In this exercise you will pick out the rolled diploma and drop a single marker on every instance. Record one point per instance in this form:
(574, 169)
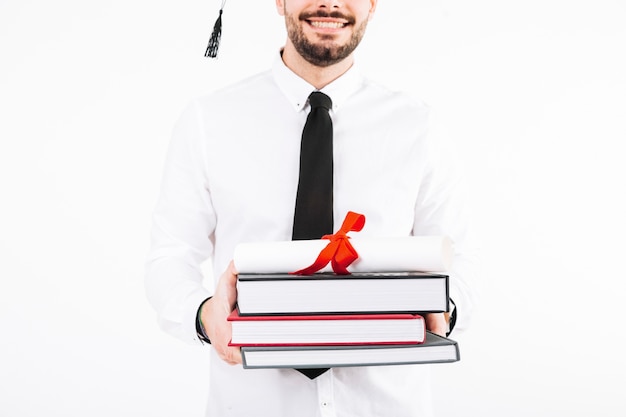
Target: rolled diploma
(392, 254)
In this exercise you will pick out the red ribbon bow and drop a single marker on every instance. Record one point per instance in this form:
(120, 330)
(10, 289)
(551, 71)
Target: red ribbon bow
(339, 252)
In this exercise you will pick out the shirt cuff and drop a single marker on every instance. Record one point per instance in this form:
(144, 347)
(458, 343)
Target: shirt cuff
(204, 338)
(192, 302)
(451, 317)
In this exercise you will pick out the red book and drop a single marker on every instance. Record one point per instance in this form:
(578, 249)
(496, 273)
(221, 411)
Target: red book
(327, 330)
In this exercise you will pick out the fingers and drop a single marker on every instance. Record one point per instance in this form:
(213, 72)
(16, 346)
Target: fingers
(230, 275)
(231, 268)
(226, 290)
(231, 356)
(436, 323)
(215, 314)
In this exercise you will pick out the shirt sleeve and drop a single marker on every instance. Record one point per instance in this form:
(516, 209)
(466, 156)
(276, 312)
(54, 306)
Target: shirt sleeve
(443, 209)
(182, 230)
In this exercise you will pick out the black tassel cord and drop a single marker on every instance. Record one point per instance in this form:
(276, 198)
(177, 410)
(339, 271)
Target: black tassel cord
(214, 41)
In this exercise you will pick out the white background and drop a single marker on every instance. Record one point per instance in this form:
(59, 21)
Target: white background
(531, 92)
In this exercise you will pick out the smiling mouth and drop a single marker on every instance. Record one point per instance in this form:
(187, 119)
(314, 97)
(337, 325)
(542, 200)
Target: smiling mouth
(326, 24)
(324, 20)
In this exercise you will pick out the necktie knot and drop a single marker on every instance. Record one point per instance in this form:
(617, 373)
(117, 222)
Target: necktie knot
(319, 99)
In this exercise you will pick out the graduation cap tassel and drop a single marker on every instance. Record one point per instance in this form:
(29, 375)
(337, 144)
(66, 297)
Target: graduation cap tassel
(214, 41)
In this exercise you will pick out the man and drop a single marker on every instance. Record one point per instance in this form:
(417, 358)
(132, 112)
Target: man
(231, 176)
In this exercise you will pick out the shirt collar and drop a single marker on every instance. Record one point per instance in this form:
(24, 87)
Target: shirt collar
(297, 90)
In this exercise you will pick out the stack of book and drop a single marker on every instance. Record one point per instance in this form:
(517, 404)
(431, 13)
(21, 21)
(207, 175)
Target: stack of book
(328, 320)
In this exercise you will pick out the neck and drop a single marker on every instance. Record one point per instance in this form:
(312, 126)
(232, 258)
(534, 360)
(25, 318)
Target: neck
(319, 77)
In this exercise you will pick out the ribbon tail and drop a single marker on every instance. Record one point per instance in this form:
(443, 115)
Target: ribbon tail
(339, 269)
(325, 256)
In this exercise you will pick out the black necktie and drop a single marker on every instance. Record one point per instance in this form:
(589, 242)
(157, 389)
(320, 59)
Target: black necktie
(313, 216)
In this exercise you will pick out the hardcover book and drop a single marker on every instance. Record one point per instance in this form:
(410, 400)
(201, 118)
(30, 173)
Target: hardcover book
(329, 293)
(346, 329)
(435, 349)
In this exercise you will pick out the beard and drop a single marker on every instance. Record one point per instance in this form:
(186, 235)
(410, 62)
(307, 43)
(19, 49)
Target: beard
(324, 53)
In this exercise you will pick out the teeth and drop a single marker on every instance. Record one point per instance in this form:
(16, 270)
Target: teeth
(327, 25)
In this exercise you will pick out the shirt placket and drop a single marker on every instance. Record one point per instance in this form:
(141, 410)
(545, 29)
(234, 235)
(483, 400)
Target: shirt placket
(325, 395)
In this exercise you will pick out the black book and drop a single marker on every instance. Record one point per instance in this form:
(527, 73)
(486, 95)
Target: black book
(435, 349)
(329, 293)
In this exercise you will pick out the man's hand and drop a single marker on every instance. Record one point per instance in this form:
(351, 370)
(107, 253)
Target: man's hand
(437, 323)
(214, 313)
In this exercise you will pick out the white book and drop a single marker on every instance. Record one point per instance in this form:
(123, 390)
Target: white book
(328, 293)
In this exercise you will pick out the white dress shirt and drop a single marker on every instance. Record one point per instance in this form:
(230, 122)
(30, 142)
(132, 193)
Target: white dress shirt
(231, 176)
